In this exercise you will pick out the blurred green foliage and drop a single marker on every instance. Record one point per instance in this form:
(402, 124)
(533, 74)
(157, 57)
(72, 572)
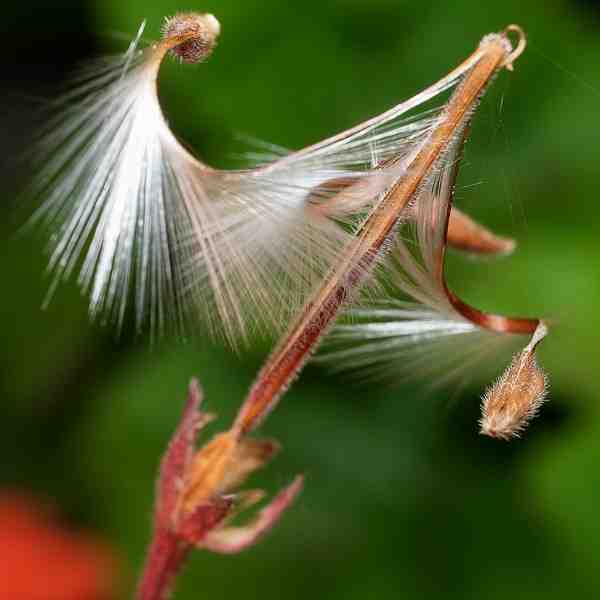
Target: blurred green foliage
(403, 498)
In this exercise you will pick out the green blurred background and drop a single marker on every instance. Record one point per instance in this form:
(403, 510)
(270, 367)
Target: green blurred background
(403, 498)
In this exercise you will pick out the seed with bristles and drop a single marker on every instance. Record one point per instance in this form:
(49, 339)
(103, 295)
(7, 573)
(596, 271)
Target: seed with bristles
(509, 404)
(198, 32)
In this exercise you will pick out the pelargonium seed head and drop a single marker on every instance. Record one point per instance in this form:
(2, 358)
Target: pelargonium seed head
(199, 33)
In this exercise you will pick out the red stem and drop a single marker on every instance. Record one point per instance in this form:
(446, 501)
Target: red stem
(165, 560)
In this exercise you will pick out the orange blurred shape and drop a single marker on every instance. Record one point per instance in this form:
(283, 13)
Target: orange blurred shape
(41, 560)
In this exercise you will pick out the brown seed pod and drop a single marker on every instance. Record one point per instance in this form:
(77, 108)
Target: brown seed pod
(516, 397)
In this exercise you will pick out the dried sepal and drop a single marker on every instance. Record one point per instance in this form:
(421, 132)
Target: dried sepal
(250, 455)
(194, 500)
(223, 464)
(197, 489)
(516, 397)
(179, 454)
(230, 540)
(208, 469)
(194, 526)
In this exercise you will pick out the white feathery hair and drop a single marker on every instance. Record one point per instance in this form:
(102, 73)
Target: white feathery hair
(141, 218)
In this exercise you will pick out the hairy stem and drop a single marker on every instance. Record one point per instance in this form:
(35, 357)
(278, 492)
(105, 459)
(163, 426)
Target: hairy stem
(304, 335)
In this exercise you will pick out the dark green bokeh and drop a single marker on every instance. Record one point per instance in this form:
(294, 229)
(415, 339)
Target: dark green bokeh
(403, 498)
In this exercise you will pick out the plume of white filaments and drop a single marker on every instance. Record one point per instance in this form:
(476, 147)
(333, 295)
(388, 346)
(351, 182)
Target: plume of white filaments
(143, 219)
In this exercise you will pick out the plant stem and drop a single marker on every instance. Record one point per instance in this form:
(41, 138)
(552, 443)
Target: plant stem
(165, 559)
(320, 311)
